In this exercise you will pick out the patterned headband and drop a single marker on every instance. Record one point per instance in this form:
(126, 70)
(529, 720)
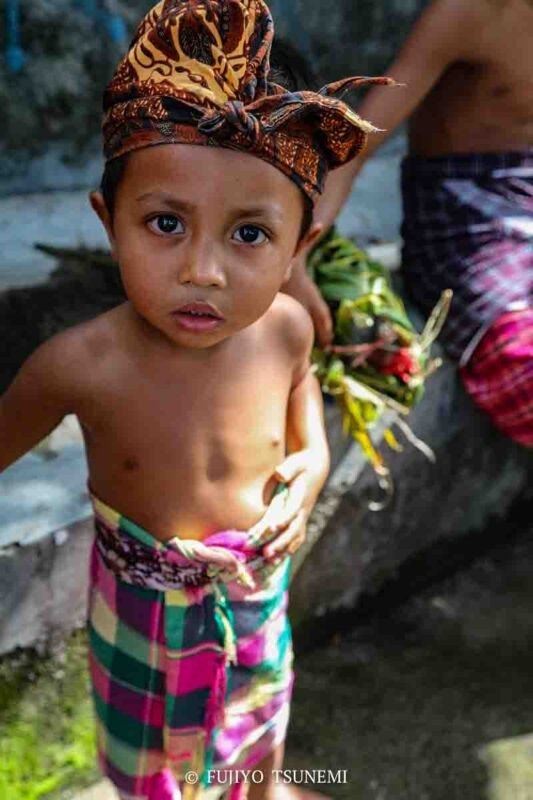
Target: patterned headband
(197, 73)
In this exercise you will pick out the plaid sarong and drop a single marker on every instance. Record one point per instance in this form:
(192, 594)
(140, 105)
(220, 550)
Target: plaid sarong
(468, 226)
(191, 668)
(499, 376)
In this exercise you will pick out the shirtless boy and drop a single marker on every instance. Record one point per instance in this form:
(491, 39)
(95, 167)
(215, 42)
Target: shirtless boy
(195, 398)
(467, 75)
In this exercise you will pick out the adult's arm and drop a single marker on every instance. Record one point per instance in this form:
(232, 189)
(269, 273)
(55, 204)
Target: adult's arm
(445, 33)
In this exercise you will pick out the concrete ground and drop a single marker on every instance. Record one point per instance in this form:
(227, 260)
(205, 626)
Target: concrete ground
(65, 219)
(432, 702)
(102, 791)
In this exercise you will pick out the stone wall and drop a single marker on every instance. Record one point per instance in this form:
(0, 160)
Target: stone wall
(52, 105)
(357, 37)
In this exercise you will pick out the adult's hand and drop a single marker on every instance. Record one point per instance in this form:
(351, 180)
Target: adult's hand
(302, 288)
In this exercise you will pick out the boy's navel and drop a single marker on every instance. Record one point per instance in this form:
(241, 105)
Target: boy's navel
(131, 464)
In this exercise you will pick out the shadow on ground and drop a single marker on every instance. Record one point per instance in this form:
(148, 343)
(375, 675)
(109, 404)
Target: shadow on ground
(408, 705)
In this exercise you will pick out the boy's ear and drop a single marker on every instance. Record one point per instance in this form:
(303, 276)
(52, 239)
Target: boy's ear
(311, 237)
(96, 200)
(304, 246)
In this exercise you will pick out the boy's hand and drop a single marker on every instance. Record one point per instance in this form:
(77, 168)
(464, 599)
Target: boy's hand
(226, 561)
(284, 524)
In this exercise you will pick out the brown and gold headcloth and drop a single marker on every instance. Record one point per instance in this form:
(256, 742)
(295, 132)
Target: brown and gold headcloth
(197, 73)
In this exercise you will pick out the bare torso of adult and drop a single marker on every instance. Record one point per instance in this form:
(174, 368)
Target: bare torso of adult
(183, 444)
(485, 104)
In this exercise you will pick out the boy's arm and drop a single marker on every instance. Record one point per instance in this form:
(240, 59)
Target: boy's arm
(306, 467)
(34, 404)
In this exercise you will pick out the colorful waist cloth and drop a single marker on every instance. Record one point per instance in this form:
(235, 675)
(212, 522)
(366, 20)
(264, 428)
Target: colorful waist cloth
(468, 226)
(191, 668)
(499, 376)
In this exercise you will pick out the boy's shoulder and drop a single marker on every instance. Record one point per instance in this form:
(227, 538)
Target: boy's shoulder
(74, 352)
(97, 332)
(291, 324)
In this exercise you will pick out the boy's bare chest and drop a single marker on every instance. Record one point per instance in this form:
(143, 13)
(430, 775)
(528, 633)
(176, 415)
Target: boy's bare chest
(188, 450)
(198, 413)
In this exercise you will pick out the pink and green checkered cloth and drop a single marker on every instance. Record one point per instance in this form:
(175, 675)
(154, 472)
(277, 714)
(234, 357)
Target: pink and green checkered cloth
(191, 668)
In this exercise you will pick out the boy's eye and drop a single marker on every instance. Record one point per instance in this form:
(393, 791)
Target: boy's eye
(250, 234)
(165, 225)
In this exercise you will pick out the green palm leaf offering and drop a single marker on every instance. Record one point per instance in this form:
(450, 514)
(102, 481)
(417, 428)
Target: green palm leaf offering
(378, 362)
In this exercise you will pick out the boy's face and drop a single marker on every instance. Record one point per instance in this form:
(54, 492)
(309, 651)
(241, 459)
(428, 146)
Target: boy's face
(204, 238)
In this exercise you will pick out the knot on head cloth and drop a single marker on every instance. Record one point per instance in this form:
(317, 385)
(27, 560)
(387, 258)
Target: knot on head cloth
(197, 73)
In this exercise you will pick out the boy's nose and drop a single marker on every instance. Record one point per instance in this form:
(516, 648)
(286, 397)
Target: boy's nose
(201, 267)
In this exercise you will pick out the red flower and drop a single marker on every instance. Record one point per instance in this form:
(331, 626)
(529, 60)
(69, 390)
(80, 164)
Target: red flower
(401, 364)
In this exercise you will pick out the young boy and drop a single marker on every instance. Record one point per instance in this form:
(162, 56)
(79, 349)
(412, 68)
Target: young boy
(467, 185)
(190, 397)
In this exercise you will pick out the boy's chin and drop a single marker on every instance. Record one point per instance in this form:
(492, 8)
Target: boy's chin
(198, 340)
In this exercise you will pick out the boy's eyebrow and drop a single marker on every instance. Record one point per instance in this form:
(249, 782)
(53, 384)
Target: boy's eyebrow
(272, 211)
(164, 197)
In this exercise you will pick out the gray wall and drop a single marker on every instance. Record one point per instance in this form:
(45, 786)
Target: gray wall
(346, 37)
(51, 108)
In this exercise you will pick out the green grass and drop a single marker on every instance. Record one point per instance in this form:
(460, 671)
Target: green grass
(47, 747)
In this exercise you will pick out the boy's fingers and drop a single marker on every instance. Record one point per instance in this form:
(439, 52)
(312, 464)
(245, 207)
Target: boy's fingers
(288, 541)
(280, 514)
(227, 562)
(292, 466)
(218, 556)
(268, 521)
(294, 501)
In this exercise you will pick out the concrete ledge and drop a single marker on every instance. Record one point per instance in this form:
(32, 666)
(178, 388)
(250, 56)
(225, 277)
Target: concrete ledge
(43, 588)
(38, 496)
(478, 476)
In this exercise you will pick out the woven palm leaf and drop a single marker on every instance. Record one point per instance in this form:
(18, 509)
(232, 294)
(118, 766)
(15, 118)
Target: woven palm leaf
(378, 361)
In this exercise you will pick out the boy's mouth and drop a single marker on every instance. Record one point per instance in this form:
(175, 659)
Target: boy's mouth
(197, 317)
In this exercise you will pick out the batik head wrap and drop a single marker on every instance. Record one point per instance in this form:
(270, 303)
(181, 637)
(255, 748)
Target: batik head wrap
(197, 73)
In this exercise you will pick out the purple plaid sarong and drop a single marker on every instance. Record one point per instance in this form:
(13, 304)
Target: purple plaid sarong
(468, 226)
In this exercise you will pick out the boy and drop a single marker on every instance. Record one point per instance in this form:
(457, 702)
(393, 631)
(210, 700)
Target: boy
(191, 394)
(467, 193)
